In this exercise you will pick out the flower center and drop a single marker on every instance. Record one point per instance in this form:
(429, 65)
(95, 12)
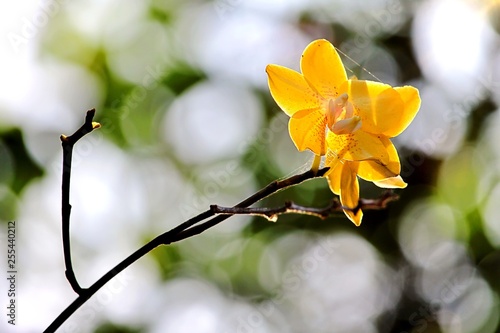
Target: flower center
(340, 116)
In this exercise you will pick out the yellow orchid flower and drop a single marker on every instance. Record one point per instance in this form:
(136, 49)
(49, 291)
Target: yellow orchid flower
(349, 120)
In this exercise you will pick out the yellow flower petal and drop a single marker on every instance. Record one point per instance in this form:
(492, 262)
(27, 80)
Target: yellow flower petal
(380, 106)
(355, 218)
(333, 175)
(322, 68)
(393, 182)
(378, 170)
(373, 170)
(307, 130)
(411, 98)
(349, 194)
(290, 90)
(360, 146)
(342, 181)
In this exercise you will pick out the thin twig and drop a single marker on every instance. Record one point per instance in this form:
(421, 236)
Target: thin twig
(271, 214)
(68, 143)
(272, 188)
(180, 232)
(377, 203)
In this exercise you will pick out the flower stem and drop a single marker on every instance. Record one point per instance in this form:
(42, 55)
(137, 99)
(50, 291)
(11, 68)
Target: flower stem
(316, 163)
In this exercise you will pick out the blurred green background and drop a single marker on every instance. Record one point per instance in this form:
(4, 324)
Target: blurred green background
(181, 92)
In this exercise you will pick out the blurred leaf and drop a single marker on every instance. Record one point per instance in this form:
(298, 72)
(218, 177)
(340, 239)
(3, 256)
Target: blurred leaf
(479, 243)
(167, 258)
(6, 164)
(142, 118)
(8, 204)
(160, 15)
(181, 78)
(25, 168)
(114, 107)
(115, 328)
(458, 179)
(244, 280)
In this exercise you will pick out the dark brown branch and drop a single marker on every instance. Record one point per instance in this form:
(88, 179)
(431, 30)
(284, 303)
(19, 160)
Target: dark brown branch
(271, 214)
(184, 230)
(89, 292)
(68, 143)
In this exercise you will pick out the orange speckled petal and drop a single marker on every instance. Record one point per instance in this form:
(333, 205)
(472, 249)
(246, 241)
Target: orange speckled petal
(359, 146)
(307, 130)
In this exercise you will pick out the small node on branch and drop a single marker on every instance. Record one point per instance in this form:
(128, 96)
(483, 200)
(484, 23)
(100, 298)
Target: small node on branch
(272, 218)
